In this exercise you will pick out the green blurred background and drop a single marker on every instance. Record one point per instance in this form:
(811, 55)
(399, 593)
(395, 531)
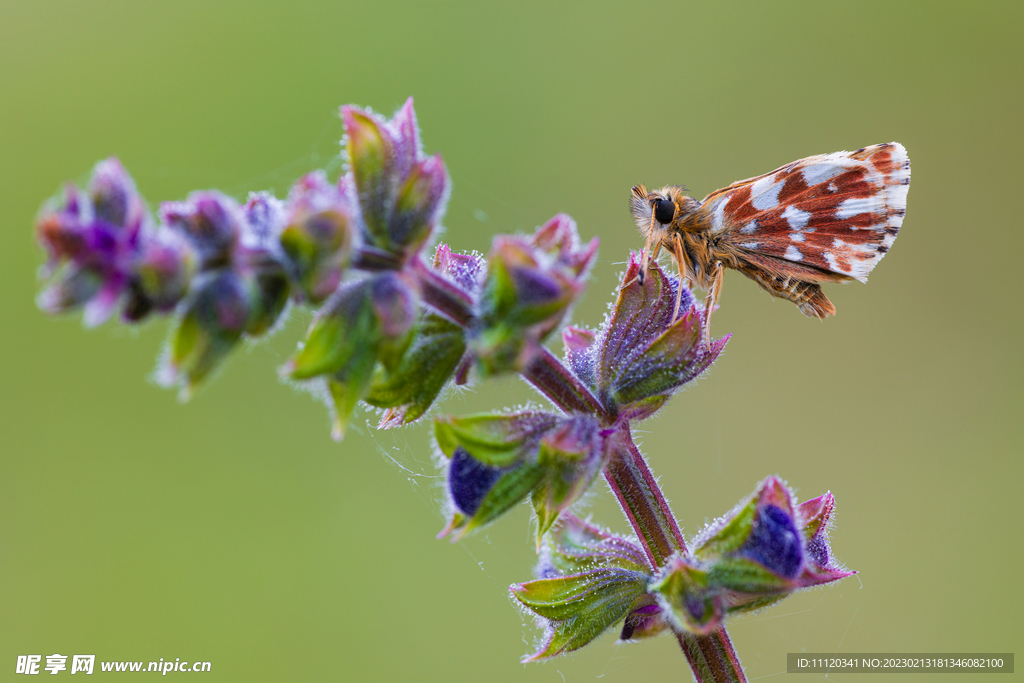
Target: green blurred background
(233, 530)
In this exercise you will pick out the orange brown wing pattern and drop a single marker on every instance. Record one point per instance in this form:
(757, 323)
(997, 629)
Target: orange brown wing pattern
(835, 215)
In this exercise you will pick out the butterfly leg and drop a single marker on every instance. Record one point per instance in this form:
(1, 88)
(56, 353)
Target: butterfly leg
(642, 275)
(682, 263)
(651, 240)
(714, 291)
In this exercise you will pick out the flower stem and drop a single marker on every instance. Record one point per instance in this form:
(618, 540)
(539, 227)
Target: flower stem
(641, 499)
(445, 296)
(554, 380)
(711, 657)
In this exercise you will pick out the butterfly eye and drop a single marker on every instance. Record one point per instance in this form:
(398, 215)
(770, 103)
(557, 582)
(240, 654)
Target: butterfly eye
(664, 209)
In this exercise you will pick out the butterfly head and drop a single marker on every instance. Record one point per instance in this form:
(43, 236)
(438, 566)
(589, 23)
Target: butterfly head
(656, 211)
(655, 214)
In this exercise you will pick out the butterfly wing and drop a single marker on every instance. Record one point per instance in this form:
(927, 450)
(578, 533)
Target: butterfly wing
(838, 213)
(825, 218)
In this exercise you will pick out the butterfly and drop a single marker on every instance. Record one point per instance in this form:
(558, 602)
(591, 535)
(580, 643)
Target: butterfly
(826, 218)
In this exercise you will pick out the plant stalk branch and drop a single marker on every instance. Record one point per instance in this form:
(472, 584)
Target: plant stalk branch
(554, 380)
(444, 295)
(712, 658)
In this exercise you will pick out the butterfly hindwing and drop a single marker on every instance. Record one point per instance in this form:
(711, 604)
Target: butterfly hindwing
(836, 214)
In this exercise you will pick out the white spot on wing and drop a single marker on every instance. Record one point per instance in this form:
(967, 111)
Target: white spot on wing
(793, 254)
(858, 205)
(796, 218)
(827, 167)
(749, 245)
(796, 236)
(764, 193)
(749, 228)
(859, 266)
(718, 217)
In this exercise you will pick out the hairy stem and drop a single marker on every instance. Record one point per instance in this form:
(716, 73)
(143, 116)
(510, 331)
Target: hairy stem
(444, 295)
(554, 380)
(711, 657)
(634, 485)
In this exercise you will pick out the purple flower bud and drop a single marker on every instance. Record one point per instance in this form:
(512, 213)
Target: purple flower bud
(814, 517)
(579, 352)
(92, 242)
(498, 460)
(240, 286)
(114, 197)
(560, 239)
(646, 350)
(419, 204)
(242, 239)
(163, 273)
(395, 300)
(644, 622)
(264, 221)
(465, 270)
(318, 235)
(406, 137)
(531, 284)
(469, 481)
(759, 553)
(209, 324)
(212, 222)
(774, 540)
(72, 288)
(401, 193)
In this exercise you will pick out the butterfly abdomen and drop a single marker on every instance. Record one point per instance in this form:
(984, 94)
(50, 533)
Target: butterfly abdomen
(807, 296)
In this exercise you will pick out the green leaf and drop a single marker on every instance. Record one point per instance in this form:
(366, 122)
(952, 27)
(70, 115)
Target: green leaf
(417, 203)
(732, 534)
(664, 362)
(206, 329)
(572, 456)
(741, 575)
(345, 323)
(574, 546)
(371, 156)
(428, 363)
(580, 607)
(348, 386)
(318, 248)
(271, 291)
(689, 597)
(497, 440)
(512, 487)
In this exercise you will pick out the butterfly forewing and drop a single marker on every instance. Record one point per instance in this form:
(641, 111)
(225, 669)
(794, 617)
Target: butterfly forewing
(835, 215)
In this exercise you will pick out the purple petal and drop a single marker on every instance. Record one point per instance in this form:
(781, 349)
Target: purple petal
(469, 481)
(774, 542)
